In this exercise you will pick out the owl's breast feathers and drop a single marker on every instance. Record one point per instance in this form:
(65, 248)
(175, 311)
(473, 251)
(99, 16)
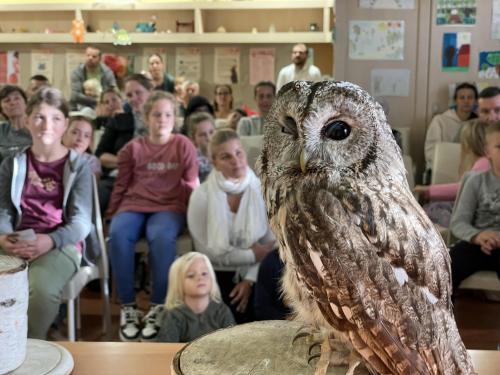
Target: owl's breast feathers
(376, 268)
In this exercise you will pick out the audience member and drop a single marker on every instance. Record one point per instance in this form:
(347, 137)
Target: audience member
(268, 296)
(228, 222)
(110, 104)
(92, 68)
(264, 95)
(156, 175)
(48, 189)
(36, 82)
(299, 69)
(475, 221)
(234, 117)
(161, 79)
(189, 90)
(223, 101)
(13, 134)
(442, 196)
(196, 104)
(92, 88)
(79, 137)
(446, 127)
(193, 305)
(121, 129)
(489, 104)
(201, 131)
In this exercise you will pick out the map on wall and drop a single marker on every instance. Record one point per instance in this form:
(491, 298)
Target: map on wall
(456, 12)
(387, 4)
(376, 40)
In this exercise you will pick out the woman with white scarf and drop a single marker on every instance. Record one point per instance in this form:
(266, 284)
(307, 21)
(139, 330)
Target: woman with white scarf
(228, 222)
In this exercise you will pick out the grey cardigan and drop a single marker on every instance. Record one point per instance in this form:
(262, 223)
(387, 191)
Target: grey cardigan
(79, 75)
(77, 201)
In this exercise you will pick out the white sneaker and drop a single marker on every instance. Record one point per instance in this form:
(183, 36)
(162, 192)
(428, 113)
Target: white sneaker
(152, 322)
(130, 320)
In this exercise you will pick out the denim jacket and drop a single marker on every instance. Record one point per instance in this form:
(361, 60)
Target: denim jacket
(77, 201)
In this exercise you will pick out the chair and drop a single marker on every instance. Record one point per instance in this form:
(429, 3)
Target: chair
(86, 274)
(446, 163)
(252, 145)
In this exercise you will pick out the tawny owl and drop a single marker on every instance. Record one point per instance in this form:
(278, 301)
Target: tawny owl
(361, 257)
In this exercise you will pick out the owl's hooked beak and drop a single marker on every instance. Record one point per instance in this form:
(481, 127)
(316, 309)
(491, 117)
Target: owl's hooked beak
(304, 158)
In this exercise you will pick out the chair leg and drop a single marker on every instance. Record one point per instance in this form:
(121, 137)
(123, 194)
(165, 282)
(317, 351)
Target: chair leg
(71, 320)
(106, 309)
(78, 315)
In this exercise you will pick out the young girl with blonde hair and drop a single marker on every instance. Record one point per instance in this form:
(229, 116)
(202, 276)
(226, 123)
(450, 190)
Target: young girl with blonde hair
(193, 305)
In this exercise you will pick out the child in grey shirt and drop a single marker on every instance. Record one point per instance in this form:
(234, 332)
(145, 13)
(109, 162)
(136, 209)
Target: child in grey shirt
(476, 219)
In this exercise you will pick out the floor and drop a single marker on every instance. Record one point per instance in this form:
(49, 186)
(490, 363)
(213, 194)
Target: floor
(477, 319)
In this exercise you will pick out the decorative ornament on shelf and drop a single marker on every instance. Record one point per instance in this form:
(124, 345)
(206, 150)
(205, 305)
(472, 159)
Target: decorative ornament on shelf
(221, 29)
(78, 27)
(121, 38)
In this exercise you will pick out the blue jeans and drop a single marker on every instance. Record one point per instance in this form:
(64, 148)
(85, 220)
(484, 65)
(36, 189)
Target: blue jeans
(161, 230)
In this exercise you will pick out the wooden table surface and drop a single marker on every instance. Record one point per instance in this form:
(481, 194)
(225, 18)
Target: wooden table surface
(96, 358)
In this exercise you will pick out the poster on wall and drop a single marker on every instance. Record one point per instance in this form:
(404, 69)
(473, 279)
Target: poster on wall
(188, 63)
(489, 65)
(456, 52)
(456, 12)
(42, 62)
(390, 82)
(261, 65)
(495, 19)
(387, 4)
(376, 40)
(10, 67)
(227, 65)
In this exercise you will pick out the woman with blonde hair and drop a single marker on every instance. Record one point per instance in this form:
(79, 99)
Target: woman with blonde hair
(193, 304)
(228, 222)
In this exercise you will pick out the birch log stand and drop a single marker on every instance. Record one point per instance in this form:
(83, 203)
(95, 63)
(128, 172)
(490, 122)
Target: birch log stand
(13, 312)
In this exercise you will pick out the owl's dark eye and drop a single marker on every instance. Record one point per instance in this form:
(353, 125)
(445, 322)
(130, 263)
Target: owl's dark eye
(289, 126)
(337, 130)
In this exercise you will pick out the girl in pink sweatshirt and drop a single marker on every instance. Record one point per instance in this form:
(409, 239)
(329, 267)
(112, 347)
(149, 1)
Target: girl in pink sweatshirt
(156, 174)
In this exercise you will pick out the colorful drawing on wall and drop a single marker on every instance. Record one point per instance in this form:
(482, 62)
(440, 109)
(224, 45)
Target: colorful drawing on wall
(456, 12)
(9, 67)
(456, 52)
(390, 82)
(387, 4)
(489, 65)
(376, 40)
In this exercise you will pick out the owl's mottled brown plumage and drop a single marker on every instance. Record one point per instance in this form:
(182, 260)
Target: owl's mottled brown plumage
(361, 257)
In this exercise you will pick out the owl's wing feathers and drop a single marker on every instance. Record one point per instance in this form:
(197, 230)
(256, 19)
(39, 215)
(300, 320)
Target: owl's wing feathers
(391, 319)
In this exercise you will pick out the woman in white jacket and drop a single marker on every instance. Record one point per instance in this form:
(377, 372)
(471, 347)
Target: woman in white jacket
(446, 126)
(228, 222)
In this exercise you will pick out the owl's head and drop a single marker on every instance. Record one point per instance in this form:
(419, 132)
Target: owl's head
(335, 129)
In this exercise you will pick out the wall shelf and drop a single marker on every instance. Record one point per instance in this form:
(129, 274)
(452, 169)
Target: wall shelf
(236, 16)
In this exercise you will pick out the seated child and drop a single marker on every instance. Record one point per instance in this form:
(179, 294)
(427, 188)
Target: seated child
(193, 305)
(79, 136)
(201, 130)
(476, 219)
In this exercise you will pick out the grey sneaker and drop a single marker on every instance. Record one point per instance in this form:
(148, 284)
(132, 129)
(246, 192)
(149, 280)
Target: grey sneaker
(152, 322)
(130, 320)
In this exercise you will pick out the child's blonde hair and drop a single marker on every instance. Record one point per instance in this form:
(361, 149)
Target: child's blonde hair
(177, 273)
(94, 85)
(156, 96)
